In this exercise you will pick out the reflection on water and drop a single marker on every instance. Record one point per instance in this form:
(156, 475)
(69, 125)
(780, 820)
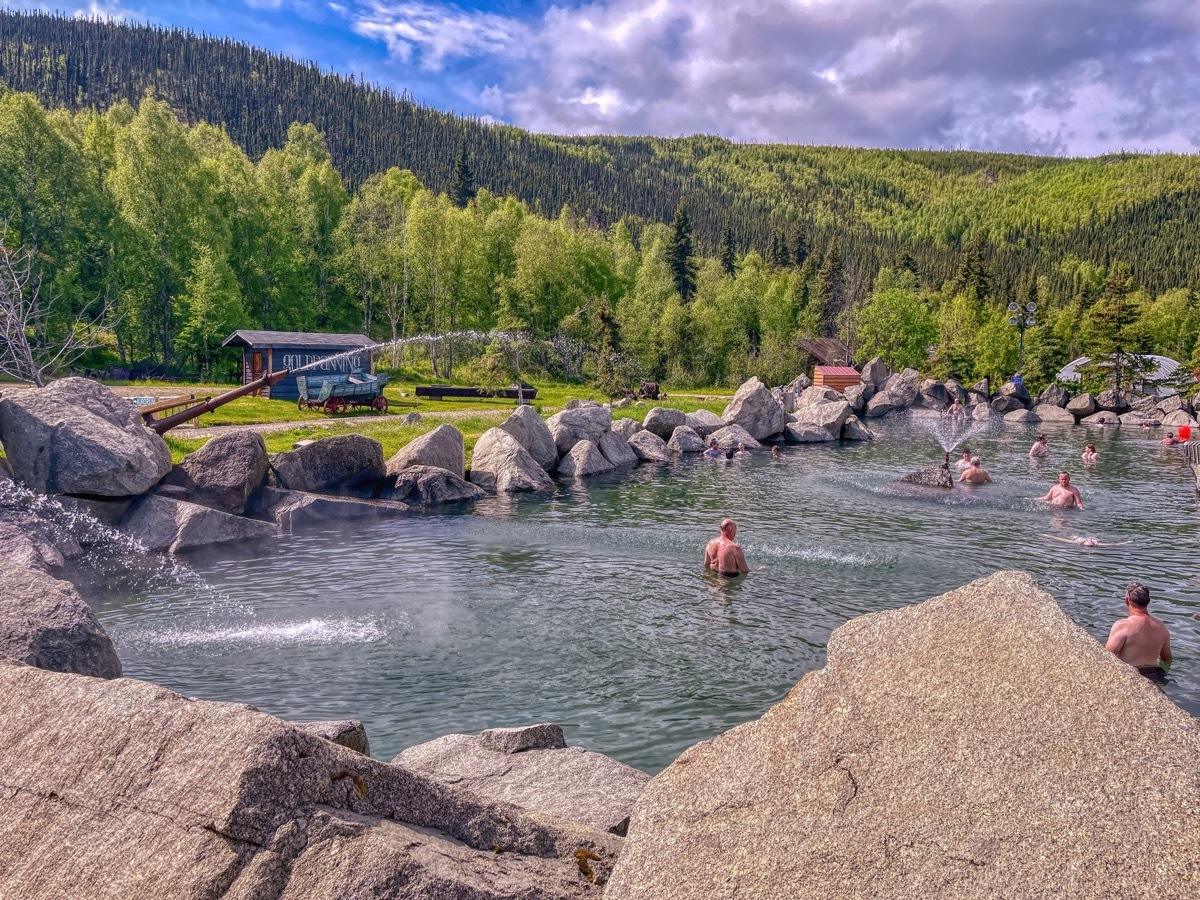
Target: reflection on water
(588, 607)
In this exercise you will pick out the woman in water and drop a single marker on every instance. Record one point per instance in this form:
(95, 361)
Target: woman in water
(1090, 455)
(965, 462)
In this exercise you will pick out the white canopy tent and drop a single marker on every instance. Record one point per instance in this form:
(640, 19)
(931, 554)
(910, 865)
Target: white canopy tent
(1165, 370)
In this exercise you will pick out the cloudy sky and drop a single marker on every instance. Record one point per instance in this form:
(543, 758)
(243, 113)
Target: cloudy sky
(1073, 77)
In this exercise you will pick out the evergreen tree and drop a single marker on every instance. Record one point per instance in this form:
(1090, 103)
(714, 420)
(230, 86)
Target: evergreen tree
(679, 254)
(972, 271)
(799, 247)
(1114, 328)
(728, 253)
(462, 183)
(831, 291)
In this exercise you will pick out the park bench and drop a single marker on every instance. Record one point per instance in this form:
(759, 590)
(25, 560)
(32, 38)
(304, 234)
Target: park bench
(454, 392)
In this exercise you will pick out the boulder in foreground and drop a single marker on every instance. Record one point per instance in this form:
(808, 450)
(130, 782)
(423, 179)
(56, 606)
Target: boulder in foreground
(501, 465)
(441, 448)
(143, 793)
(45, 623)
(937, 754)
(533, 768)
(75, 436)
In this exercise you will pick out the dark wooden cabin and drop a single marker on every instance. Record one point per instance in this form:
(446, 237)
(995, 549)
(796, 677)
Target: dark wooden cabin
(269, 351)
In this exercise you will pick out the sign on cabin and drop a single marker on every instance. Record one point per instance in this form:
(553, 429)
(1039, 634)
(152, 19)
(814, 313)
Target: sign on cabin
(271, 351)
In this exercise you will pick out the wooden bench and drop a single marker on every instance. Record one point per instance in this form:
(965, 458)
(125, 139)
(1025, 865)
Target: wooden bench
(454, 392)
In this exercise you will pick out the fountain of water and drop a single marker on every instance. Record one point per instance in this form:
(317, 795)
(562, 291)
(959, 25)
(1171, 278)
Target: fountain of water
(950, 431)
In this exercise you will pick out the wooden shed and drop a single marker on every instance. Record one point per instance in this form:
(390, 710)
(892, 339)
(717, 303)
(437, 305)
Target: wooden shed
(837, 377)
(269, 351)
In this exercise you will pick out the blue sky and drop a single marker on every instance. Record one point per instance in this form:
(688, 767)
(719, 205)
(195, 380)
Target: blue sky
(1071, 77)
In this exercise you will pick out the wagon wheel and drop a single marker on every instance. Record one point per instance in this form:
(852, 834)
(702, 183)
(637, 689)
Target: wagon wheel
(301, 404)
(379, 404)
(331, 406)
(342, 405)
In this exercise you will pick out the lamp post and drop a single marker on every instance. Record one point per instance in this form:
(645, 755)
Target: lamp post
(1021, 319)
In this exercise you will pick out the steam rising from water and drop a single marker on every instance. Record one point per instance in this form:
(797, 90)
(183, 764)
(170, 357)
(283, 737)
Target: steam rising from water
(310, 632)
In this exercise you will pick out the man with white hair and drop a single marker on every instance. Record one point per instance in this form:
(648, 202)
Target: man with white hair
(977, 474)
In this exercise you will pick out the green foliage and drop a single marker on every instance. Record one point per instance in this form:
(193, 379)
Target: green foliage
(680, 254)
(897, 327)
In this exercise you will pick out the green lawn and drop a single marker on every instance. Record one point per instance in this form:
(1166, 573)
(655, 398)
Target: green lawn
(471, 417)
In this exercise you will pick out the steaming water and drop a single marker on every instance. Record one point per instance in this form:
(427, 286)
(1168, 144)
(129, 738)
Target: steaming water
(588, 607)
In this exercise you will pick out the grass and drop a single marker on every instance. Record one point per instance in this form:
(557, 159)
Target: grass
(471, 417)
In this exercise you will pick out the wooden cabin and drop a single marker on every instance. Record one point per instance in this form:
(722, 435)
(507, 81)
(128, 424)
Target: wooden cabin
(269, 351)
(837, 377)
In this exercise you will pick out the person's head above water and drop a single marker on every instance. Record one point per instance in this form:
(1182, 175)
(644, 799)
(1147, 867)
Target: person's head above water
(1042, 439)
(728, 528)
(967, 454)
(1064, 478)
(976, 461)
(776, 452)
(1137, 595)
(741, 447)
(1091, 448)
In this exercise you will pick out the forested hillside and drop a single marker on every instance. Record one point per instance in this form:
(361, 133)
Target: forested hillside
(177, 187)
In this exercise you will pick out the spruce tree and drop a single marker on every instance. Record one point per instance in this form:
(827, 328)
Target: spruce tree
(679, 254)
(462, 183)
(799, 247)
(728, 253)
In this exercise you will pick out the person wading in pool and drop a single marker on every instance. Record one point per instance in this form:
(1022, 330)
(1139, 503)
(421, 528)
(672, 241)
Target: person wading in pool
(977, 474)
(723, 555)
(1040, 448)
(1140, 639)
(1063, 493)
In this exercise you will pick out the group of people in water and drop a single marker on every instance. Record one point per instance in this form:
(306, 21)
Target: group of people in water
(1139, 639)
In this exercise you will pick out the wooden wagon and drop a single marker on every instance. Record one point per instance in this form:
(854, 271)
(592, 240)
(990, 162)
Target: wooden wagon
(337, 393)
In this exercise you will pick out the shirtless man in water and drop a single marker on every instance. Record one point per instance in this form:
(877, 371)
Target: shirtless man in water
(723, 555)
(1063, 493)
(977, 474)
(1040, 448)
(1141, 640)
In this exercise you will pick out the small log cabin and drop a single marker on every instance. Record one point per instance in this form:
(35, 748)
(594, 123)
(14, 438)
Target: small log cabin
(836, 377)
(269, 351)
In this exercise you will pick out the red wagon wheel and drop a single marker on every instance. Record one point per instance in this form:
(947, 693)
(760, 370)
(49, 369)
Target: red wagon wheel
(331, 406)
(379, 404)
(301, 404)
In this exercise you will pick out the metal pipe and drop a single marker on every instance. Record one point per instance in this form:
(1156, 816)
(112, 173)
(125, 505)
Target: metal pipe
(164, 425)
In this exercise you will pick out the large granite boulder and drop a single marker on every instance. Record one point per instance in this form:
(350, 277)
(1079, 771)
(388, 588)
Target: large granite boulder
(533, 768)
(979, 391)
(531, 432)
(930, 476)
(663, 421)
(1136, 419)
(856, 395)
(431, 486)
(685, 440)
(798, 384)
(162, 523)
(342, 464)
(831, 415)
(1006, 403)
(501, 465)
(144, 793)
(584, 458)
(25, 543)
(883, 403)
(1082, 406)
(441, 448)
(224, 472)
(1111, 401)
(1172, 403)
(296, 510)
(1052, 412)
(956, 390)
(1011, 389)
(755, 410)
(343, 732)
(730, 436)
(1145, 405)
(45, 623)
(854, 430)
(75, 436)
(704, 422)
(817, 394)
(904, 386)
(1054, 395)
(1022, 416)
(1177, 418)
(808, 434)
(571, 426)
(626, 427)
(932, 757)
(649, 447)
(616, 449)
(932, 394)
(1101, 418)
(874, 373)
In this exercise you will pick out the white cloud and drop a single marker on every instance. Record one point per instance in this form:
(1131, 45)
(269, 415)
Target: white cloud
(429, 34)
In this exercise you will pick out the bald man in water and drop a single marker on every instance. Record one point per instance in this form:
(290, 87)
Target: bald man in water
(723, 555)
(1140, 639)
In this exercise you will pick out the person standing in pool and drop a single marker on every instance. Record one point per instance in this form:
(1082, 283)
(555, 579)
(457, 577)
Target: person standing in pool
(723, 555)
(776, 453)
(1063, 493)
(1140, 639)
(977, 474)
(1040, 448)
(965, 462)
(713, 451)
(1090, 455)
